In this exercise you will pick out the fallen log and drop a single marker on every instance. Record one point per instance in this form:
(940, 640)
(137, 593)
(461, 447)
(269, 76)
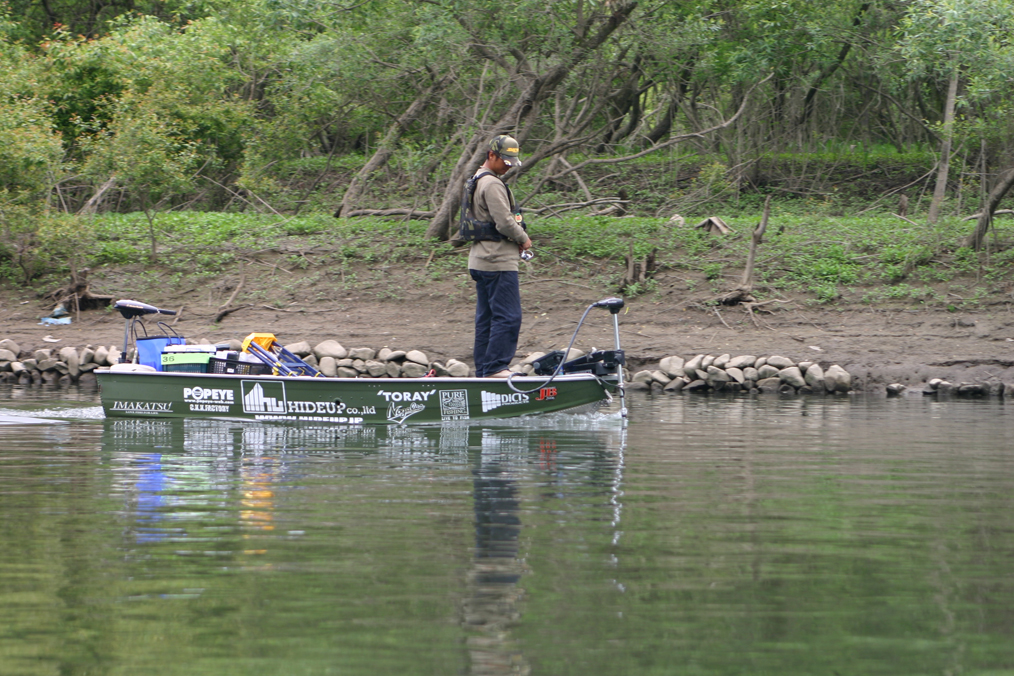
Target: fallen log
(410, 213)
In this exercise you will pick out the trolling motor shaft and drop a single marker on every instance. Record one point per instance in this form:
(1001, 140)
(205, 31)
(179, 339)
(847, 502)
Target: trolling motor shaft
(614, 305)
(131, 310)
(598, 363)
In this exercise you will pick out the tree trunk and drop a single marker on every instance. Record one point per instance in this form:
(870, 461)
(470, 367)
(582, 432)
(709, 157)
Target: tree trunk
(385, 149)
(829, 71)
(978, 236)
(534, 89)
(92, 205)
(940, 191)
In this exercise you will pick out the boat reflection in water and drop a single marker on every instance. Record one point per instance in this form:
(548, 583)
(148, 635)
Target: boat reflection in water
(242, 471)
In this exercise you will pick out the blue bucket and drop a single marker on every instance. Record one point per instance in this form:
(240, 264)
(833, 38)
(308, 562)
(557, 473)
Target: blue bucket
(149, 350)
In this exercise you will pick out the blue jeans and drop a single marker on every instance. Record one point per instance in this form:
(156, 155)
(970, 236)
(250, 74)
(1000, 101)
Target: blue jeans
(497, 320)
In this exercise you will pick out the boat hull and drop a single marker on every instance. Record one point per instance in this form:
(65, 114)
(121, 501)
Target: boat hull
(340, 400)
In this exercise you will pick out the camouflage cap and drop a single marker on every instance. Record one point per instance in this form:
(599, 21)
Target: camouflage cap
(507, 148)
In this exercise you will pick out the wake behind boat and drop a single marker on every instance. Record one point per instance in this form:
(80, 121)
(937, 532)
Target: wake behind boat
(293, 390)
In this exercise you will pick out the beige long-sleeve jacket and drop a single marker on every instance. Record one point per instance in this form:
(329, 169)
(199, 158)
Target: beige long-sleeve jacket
(492, 203)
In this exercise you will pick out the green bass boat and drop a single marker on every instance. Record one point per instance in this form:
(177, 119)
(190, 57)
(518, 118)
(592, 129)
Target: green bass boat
(144, 394)
(296, 392)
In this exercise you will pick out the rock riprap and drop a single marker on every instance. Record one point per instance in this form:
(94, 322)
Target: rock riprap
(744, 373)
(66, 365)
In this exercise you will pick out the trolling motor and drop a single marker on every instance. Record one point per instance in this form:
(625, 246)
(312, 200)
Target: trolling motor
(598, 363)
(131, 310)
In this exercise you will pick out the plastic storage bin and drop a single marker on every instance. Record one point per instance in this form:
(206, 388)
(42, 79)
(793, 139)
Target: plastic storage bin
(186, 362)
(238, 364)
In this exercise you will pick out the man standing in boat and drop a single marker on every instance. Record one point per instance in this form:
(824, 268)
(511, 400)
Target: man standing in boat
(492, 224)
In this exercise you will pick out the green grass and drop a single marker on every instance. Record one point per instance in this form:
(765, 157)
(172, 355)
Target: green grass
(818, 258)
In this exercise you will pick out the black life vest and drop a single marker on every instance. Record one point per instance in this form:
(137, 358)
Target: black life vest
(472, 229)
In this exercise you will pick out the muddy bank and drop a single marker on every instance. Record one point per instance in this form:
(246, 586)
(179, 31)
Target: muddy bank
(877, 346)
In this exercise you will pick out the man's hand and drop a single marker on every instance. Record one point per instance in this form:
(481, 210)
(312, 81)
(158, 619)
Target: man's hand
(526, 246)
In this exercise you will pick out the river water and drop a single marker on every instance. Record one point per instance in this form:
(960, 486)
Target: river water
(712, 535)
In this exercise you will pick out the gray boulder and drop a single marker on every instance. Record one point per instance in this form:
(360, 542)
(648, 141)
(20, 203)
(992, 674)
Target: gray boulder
(792, 376)
(362, 353)
(675, 385)
(87, 355)
(767, 371)
(18, 368)
(972, 390)
(396, 355)
(573, 353)
(696, 385)
(769, 384)
(359, 365)
(780, 362)
(707, 361)
(530, 359)
(457, 369)
(760, 362)
(413, 369)
(894, 389)
(814, 377)
(717, 376)
(721, 361)
(48, 364)
(750, 373)
(41, 354)
(695, 363)
(741, 362)
(376, 368)
(417, 356)
(70, 357)
(8, 355)
(642, 377)
(330, 348)
(393, 369)
(100, 355)
(346, 372)
(8, 344)
(343, 362)
(660, 378)
(673, 367)
(803, 365)
(311, 360)
(736, 374)
(328, 366)
(300, 349)
(837, 379)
